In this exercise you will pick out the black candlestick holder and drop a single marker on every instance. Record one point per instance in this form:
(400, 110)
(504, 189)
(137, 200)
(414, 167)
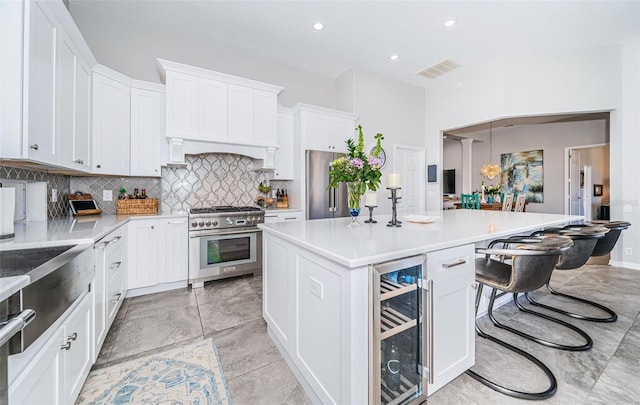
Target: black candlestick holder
(370, 220)
(394, 212)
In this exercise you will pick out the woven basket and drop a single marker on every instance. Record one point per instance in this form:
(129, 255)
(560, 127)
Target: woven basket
(146, 206)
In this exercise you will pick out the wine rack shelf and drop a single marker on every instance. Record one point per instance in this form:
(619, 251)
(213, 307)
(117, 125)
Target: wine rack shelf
(390, 289)
(393, 322)
(405, 390)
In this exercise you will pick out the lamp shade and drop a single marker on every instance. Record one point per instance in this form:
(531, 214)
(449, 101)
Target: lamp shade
(490, 171)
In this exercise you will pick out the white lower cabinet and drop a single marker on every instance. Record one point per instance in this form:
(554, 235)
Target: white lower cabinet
(452, 272)
(109, 285)
(157, 255)
(58, 371)
(271, 217)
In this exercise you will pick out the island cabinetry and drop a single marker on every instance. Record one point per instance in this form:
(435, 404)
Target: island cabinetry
(398, 348)
(322, 128)
(317, 315)
(157, 255)
(451, 275)
(57, 372)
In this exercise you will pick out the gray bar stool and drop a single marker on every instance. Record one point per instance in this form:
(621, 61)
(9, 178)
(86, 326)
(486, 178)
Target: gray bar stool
(585, 239)
(606, 244)
(523, 264)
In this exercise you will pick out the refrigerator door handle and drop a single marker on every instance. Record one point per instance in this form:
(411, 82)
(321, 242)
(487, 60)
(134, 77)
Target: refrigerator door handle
(332, 200)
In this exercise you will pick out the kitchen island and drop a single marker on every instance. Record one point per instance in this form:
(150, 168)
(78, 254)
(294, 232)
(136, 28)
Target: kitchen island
(318, 300)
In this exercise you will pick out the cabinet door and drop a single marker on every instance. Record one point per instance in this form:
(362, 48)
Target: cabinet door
(176, 250)
(72, 107)
(146, 132)
(340, 130)
(315, 128)
(78, 359)
(41, 33)
(284, 153)
(240, 104)
(99, 297)
(82, 142)
(111, 126)
(42, 381)
(265, 118)
(182, 105)
(212, 113)
(144, 259)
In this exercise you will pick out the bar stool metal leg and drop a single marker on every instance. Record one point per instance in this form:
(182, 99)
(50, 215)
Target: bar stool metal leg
(553, 384)
(611, 318)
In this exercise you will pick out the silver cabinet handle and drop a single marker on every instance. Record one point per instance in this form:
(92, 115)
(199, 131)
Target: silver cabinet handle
(115, 239)
(177, 222)
(15, 325)
(460, 262)
(474, 286)
(34, 146)
(115, 265)
(152, 227)
(79, 161)
(74, 336)
(66, 346)
(117, 298)
(288, 218)
(98, 166)
(102, 245)
(427, 342)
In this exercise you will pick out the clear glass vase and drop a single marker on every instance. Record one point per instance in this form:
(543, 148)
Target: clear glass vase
(355, 190)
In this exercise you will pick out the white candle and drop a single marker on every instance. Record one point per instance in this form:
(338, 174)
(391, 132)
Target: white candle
(393, 180)
(371, 199)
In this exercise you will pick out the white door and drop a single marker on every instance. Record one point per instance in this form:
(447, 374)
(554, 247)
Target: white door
(575, 200)
(410, 163)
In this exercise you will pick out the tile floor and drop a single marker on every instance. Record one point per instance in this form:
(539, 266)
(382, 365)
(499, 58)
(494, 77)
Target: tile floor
(230, 312)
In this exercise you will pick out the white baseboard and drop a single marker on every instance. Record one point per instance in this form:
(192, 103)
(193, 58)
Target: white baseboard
(626, 265)
(156, 288)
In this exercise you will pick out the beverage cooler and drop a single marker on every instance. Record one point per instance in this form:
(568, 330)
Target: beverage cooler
(400, 330)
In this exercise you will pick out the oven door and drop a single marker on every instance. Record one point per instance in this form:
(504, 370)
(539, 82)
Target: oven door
(216, 256)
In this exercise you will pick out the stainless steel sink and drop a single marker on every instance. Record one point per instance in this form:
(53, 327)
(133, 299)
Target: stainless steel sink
(22, 261)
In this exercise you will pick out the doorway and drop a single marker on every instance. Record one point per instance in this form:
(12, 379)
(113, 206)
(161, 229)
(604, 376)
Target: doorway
(410, 163)
(587, 188)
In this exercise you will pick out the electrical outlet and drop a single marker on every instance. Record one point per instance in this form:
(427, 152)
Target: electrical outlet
(628, 252)
(107, 195)
(316, 287)
(628, 208)
(54, 195)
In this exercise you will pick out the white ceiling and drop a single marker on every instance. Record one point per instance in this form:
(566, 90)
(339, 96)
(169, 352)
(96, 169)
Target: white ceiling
(366, 33)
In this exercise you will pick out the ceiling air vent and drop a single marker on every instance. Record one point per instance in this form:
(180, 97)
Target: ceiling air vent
(439, 69)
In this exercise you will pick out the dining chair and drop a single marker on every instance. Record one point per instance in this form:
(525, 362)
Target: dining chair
(521, 264)
(507, 202)
(470, 201)
(584, 238)
(520, 201)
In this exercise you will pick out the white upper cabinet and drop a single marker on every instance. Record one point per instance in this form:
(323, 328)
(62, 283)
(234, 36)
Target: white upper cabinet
(74, 97)
(111, 123)
(322, 128)
(45, 77)
(41, 47)
(203, 105)
(147, 131)
(284, 154)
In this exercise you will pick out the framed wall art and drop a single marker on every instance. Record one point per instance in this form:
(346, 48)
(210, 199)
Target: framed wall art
(522, 172)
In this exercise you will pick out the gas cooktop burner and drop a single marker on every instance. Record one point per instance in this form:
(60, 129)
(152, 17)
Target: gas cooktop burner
(223, 208)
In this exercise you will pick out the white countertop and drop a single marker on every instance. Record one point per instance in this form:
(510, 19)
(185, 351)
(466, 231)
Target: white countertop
(68, 230)
(11, 285)
(376, 243)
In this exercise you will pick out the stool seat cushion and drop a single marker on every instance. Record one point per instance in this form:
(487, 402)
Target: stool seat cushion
(493, 273)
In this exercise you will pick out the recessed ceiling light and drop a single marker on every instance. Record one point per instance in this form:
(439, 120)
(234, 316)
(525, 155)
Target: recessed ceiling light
(318, 26)
(449, 23)
(394, 57)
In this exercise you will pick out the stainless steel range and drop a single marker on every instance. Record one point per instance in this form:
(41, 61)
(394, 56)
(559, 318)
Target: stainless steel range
(224, 242)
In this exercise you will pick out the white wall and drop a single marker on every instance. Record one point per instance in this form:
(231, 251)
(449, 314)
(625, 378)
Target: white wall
(584, 80)
(388, 106)
(132, 48)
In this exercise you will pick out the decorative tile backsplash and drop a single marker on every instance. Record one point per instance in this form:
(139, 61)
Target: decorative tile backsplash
(95, 185)
(208, 180)
(54, 181)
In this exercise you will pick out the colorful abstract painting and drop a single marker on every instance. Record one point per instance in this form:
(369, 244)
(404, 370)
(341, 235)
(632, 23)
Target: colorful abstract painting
(522, 172)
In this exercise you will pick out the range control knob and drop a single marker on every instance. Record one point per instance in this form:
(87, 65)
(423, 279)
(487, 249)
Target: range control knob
(201, 223)
(229, 221)
(194, 224)
(208, 223)
(214, 223)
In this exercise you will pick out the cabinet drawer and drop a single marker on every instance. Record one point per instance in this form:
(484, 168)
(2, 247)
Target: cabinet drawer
(451, 263)
(115, 293)
(290, 216)
(270, 218)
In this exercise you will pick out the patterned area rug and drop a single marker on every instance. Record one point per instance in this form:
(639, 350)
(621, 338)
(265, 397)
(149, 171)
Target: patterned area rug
(185, 375)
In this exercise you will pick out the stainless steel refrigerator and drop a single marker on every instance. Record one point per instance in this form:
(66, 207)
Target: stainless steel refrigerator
(323, 202)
